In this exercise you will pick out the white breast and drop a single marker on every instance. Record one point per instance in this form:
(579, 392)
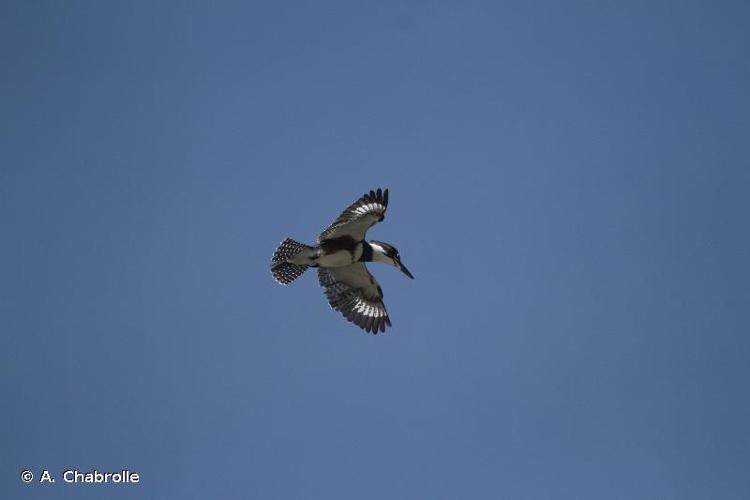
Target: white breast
(340, 258)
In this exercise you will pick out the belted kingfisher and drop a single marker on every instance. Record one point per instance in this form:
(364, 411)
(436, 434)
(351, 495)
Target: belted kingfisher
(340, 257)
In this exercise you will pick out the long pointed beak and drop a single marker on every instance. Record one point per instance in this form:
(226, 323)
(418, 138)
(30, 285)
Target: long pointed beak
(403, 269)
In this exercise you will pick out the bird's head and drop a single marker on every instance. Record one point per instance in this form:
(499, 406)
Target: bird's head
(383, 252)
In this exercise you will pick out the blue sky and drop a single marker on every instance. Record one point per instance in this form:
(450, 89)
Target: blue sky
(569, 185)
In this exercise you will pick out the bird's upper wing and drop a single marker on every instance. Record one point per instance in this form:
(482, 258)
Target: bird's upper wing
(358, 217)
(353, 291)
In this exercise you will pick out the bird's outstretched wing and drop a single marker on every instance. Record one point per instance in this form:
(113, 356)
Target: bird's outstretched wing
(358, 217)
(353, 292)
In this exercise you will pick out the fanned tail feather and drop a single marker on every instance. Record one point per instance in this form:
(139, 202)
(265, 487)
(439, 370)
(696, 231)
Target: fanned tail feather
(284, 271)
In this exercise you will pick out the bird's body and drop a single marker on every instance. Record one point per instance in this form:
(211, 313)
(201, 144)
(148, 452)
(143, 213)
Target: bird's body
(340, 256)
(336, 252)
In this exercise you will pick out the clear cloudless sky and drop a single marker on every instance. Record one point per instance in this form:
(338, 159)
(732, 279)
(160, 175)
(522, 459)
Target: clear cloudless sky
(569, 183)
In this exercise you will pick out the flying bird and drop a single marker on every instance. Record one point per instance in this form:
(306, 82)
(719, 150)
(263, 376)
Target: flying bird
(340, 256)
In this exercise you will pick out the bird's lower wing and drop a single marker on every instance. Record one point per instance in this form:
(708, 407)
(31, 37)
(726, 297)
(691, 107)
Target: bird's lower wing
(353, 292)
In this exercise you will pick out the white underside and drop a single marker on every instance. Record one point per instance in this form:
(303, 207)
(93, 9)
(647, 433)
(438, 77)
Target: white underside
(339, 259)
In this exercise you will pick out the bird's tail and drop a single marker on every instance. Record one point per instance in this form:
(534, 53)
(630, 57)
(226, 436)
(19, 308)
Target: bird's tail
(285, 271)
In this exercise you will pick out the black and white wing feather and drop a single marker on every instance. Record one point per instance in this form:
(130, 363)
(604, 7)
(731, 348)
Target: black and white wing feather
(353, 292)
(358, 217)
